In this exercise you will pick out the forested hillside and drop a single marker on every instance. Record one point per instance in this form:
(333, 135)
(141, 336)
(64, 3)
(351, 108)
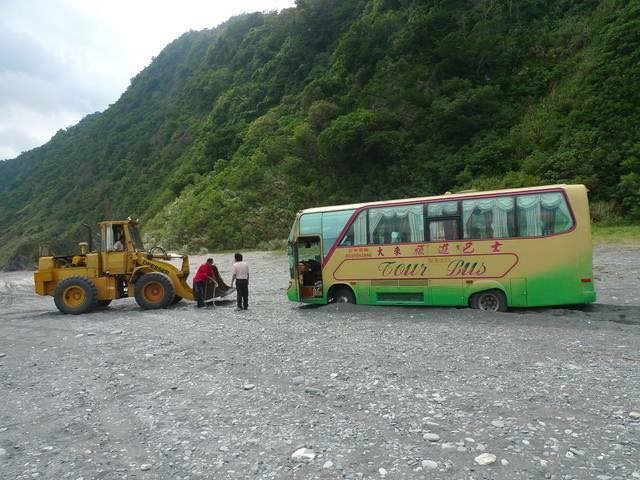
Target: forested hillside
(230, 131)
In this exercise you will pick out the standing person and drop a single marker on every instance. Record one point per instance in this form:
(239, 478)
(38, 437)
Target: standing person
(241, 277)
(205, 273)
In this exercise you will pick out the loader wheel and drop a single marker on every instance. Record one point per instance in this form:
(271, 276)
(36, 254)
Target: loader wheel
(154, 290)
(75, 295)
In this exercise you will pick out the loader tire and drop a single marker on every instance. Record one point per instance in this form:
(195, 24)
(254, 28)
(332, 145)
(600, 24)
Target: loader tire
(154, 290)
(75, 295)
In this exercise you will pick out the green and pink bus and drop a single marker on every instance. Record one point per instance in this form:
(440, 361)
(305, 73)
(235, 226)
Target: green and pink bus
(524, 247)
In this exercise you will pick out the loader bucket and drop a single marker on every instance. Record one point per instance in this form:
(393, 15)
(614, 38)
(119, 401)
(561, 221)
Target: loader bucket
(222, 290)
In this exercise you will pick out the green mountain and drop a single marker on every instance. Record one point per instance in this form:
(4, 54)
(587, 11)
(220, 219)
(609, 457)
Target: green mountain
(230, 131)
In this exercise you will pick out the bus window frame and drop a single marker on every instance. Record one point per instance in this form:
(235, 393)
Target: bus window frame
(371, 207)
(540, 192)
(427, 220)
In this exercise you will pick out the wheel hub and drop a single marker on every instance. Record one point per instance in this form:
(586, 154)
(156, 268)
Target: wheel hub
(489, 303)
(153, 292)
(74, 296)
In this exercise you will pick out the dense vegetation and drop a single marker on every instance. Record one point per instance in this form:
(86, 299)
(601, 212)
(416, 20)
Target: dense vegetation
(230, 131)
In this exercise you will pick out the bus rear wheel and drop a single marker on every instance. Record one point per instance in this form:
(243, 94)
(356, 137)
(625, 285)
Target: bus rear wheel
(489, 301)
(343, 295)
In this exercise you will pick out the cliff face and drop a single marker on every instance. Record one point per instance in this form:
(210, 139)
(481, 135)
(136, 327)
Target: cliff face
(230, 131)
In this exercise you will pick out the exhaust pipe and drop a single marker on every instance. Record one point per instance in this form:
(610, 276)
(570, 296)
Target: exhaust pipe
(89, 231)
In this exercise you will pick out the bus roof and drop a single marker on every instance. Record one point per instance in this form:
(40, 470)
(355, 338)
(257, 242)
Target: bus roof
(446, 196)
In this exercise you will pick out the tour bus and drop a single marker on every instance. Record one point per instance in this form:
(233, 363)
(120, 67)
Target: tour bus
(524, 247)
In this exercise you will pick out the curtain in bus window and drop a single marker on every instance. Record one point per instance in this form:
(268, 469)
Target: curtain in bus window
(436, 231)
(543, 214)
(357, 233)
(396, 224)
(443, 229)
(488, 217)
(557, 217)
(443, 209)
(360, 229)
(529, 222)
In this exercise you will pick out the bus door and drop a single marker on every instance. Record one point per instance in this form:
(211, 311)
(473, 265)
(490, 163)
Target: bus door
(308, 255)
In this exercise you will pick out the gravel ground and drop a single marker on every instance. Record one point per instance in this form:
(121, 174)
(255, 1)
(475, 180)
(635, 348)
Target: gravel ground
(289, 391)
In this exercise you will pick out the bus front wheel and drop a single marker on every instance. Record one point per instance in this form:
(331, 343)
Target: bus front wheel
(343, 295)
(489, 301)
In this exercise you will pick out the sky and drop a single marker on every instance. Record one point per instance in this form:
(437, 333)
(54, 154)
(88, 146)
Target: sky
(63, 59)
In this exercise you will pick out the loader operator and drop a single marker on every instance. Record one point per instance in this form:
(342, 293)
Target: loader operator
(207, 271)
(119, 245)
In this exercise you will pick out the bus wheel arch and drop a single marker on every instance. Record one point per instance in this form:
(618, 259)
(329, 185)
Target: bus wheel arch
(341, 293)
(493, 300)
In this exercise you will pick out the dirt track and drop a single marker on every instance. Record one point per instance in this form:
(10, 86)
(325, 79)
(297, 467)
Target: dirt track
(371, 392)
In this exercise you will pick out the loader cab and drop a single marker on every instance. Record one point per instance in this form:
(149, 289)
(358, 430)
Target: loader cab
(118, 261)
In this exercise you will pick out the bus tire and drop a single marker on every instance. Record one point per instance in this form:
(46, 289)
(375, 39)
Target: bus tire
(154, 290)
(489, 301)
(343, 295)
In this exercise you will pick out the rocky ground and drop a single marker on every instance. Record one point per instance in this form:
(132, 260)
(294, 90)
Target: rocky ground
(288, 391)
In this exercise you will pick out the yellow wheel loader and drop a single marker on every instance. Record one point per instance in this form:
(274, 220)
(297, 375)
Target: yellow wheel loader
(121, 268)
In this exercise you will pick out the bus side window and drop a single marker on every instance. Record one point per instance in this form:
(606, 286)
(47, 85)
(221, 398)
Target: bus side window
(443, 229)
(357, 233)
(488, 218)
(543, 214)
(403, 223)
(443, 220)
